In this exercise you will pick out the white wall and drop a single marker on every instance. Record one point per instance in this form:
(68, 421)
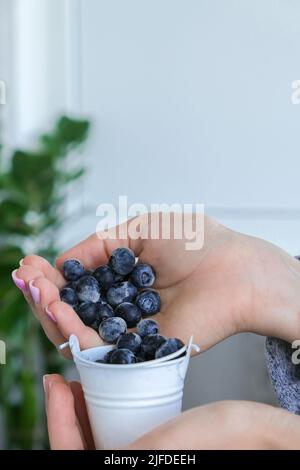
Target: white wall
(193, 99)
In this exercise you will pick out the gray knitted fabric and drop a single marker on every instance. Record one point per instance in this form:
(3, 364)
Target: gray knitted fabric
(284, 374)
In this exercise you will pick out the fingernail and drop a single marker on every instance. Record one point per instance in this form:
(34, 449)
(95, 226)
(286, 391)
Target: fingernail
(50, 315)
(21, 262)
(45, 383)
(18, 282)
(35, 293)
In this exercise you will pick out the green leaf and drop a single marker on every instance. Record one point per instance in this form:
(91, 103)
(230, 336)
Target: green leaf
(71, 131)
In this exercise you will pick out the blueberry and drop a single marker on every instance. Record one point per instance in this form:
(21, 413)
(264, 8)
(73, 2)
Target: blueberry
(104, 311)
(87, 312)
(105, 276)
(139, 359)
(108, 356)
(129, 312)
(130, 341)
(88, 289)
(142, 275)
(101, 361)
(111, 329)
(122, 261)
(148, 301)
(72, 269)
(147, 327)
(170, 346)
(122, 356)
(150, 345)
(124, 292)
(69, 296)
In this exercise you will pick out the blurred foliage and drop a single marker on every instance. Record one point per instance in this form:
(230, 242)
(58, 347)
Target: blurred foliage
(32, 192)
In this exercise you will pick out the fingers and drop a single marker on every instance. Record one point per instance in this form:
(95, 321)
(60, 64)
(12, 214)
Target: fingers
(82, 414)
(63, 426)
(22, 277)
(68, 323)
(97, 248)
(58, 319)
(43, 266)
(43, 293)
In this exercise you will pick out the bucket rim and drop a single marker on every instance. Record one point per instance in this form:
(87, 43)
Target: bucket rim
(175, 358)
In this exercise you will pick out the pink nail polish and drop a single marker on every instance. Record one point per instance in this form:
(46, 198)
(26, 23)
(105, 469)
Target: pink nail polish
(50, 315)
(45, 377)
(35, 293)
(18, 282)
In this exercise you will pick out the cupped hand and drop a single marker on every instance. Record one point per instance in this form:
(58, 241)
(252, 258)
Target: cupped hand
(222, 425)
(234, 283)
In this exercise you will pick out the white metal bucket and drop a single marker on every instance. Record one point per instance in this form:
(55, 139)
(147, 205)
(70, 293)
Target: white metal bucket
(126, 401)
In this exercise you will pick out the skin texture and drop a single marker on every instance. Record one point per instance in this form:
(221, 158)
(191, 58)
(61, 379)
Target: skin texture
(235, 283)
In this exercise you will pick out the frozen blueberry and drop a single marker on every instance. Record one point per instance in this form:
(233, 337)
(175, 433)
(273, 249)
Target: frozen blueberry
(148, 301)
(122, 356)
(88, 289)
(72, 269)
(139, 359)
(111, 329)
(104, 311)
(147, 327)
(87, 312)
(170, 346)
(124, 292)
(142, 275)
(129, 312)
(122, 261)
(101, 361)
(150, 345)
(108, 356)
(69, 296)
(130, 341)
(105, 276)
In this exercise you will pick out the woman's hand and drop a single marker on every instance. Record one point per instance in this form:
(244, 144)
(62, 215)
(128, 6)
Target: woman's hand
(235, 283)
(222, 425)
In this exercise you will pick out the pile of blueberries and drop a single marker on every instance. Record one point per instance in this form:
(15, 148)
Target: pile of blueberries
(117, 296)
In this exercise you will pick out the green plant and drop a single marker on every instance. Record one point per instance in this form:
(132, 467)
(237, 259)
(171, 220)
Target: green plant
(32, 192)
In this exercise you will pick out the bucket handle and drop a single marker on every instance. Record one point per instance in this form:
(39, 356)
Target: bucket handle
(73, 344)
(196, 348)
